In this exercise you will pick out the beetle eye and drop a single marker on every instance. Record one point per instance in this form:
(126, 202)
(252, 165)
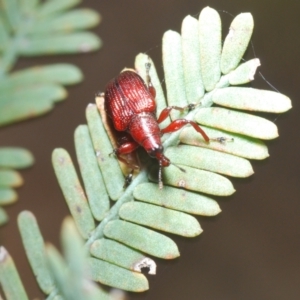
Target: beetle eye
(153, 152)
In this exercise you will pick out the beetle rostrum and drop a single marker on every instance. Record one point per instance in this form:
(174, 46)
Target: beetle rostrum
(130, 103)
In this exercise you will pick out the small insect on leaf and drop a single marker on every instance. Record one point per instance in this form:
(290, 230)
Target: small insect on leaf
(130, 103)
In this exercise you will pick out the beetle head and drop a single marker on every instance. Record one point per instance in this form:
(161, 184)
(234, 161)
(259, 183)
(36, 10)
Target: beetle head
(157, 153)
(163, 161)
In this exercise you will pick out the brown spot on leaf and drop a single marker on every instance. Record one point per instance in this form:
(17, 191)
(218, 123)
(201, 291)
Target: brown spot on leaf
(99, 155)
(181, 183)
(61, 160)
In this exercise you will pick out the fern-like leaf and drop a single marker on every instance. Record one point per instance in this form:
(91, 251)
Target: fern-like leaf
(197, 70)
(11, 158)
(27, 28)
(58, 277)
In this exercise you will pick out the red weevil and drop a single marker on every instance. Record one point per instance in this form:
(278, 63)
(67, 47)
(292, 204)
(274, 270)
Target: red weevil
(130, 103)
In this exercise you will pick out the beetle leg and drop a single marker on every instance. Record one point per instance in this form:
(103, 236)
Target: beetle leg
(166, 111)
(126, 148)
(179, 123)
(128, 179)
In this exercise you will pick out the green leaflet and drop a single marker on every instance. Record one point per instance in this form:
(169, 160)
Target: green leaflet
(210, 47)
(76, 19)
(91, 175)
(4, 36)
(7, 196)
(12, 13)
(191, 60)
(36, 100)
(160, 218)
(142, 239)
(243, 146)
(10, 178)
(54, 296)
(57, 275)
(252, 99)
(177, 199)
(34, 246)
(27, 6)
(139, 64)
(73, 251)
(36, 92)
(113, 275)
(210, 160)
(60, 43)
(237, 122)
(110, 169)
(33, 87)
(236, 42)
(57, 73)
(3, 216)
(48, 8)
(70, 273)
(14, 157)
(9, 278)
(61, 274)
(198, 181)
(172, 58)
(244, 73)
(120, 255)
(73, 192)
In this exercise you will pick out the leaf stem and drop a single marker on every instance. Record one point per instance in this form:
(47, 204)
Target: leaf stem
(113, 213)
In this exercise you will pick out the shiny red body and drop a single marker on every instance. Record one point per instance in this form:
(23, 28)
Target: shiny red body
(131, 105)
(132, 108)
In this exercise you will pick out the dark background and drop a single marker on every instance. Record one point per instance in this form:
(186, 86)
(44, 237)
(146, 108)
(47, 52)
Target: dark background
(251, 250)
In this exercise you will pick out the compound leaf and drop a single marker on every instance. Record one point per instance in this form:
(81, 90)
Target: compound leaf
(121, 241)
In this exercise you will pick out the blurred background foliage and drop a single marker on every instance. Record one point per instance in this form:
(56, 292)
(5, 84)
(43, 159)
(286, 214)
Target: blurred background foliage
(31, 28)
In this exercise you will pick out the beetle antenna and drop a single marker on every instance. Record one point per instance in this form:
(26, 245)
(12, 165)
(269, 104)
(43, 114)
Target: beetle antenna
(160, 183)
(181, 169)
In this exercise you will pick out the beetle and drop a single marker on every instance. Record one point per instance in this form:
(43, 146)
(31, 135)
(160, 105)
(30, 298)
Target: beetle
(130, 103)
